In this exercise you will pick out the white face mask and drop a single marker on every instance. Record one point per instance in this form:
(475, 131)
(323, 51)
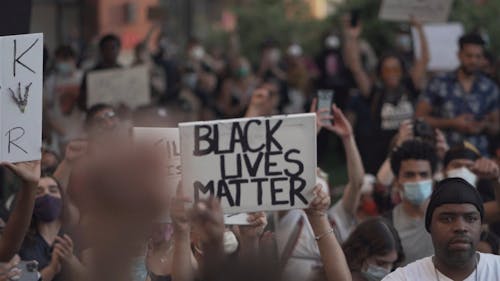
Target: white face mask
(332, 42)
(377, 272)
(463, 173)
(230, 242)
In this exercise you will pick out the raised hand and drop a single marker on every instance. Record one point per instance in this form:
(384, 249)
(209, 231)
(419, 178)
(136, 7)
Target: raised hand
(29, 172)
(320, 203)
(179, 212)
(487, 169)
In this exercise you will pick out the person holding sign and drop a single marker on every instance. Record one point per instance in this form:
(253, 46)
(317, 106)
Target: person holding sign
(109, 49)
(387, 101)
(464, 103)
(20, 217)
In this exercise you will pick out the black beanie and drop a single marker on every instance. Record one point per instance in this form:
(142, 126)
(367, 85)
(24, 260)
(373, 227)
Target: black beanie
(453, 191)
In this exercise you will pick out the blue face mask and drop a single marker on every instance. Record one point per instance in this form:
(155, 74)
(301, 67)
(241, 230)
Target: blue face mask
(417, 192)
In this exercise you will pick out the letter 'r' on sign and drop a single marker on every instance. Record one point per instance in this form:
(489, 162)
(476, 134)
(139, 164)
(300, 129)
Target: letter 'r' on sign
(21, 89)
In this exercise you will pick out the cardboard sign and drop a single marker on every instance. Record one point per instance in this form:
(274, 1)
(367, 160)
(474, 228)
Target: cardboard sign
(423, 10)
(128, 86)
(166, 142)
(21, 87)
(442, 40)
(251, 164)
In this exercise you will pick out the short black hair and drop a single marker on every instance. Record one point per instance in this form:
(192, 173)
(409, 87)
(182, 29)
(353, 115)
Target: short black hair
(471, 38)
(65, 52)
(109, 38)
(414, 149)
(92, 111)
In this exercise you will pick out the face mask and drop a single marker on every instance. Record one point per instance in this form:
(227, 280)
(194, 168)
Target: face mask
(295, 50)
(243, 72)
(463, 173)
(64, 68)
(417, 192)
(377, 272)
(197, 53)
(332, 42)
(275, 55)
(47, 208)
(230, 242)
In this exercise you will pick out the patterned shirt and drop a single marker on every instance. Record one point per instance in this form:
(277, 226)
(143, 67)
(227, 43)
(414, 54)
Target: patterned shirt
(448, 100)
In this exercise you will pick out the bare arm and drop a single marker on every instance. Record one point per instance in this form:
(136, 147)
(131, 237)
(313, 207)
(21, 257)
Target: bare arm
(182, 269)
(488, 170)
(352, 57)
(19, 221)
(419, 69)
(355, 170)
(424, 110)
(332, 255)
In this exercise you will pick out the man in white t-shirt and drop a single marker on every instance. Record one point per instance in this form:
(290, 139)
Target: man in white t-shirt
(453, 218)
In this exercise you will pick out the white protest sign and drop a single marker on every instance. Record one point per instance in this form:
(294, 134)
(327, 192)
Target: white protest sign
(129, 86)
(423, 10)
(21, 87)
(442, 40)
(165, 141)
(251, 164)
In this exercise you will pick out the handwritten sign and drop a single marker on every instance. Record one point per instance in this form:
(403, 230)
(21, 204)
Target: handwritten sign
(166, 142)
(21, 74)
(129, 86)
(442, 40)
(423, 10)
(251, 164)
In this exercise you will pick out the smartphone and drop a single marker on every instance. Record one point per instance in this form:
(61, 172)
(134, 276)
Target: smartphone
(29, 271)
(325, 100)
(354, 17)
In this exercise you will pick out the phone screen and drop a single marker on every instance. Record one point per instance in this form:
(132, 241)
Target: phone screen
(29, 271)
(325, 99)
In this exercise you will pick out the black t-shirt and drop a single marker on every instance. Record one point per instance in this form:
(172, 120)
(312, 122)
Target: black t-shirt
(36, 248)
(378, 119)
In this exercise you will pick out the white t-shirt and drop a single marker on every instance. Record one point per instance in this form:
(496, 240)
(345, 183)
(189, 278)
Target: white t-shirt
(423, 269)
(305, 258)
(344, 222)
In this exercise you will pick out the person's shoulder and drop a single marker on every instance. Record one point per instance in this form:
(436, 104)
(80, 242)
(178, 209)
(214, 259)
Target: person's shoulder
(490, 259)
(416, 270)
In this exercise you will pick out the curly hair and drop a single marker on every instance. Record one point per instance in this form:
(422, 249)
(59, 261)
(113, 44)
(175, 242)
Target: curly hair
(413, 150)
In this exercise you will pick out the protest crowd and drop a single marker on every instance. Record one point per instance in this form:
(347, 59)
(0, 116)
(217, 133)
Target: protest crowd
(421, 149)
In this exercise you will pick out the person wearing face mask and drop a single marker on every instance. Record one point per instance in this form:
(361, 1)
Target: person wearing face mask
(46, 242)
(61, 92)
(464, 103)
(413, 164)
(453, 219)
(386, 101)
(373, 250)
(464, 161)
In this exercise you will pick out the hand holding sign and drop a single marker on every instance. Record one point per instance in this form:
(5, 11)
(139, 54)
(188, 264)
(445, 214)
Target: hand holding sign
(29, 172)
(320, 204)
(257, 224)
(208, 220)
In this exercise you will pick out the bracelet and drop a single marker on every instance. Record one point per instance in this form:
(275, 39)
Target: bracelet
(317, 238)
